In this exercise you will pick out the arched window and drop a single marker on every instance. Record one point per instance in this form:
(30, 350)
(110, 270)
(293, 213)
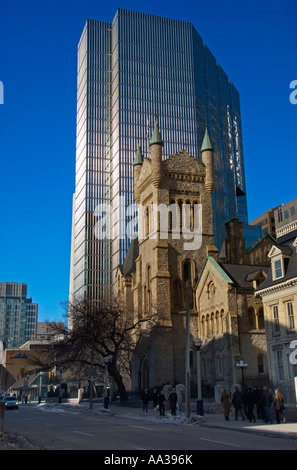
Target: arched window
(147, 221)
(222, 320)
(211, 290)
(260, 364)
(207, 325)
(212, 324)
(251, 319)
(177, 294)
(217, 323)
(143, 374)
(180, 207)
(149, 291)
(203, 325)
(187, 283)
(261, 324)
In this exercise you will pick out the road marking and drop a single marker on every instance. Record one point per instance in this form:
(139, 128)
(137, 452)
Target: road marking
(141, 427)
(140, 448)
(220, 442)
(49, 424)
(84, 433)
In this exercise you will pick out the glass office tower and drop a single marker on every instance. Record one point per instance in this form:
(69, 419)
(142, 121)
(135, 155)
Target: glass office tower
(129, 71)
(18, 315)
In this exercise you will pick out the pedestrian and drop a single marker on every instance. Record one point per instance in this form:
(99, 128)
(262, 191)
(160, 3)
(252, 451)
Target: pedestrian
(145, 400)
(257, 400)
(173, 401)
(155, 399)
(237, 401)
(278, 404)
(250, 403)
(225, 400)
(267, 401)
(162, 401)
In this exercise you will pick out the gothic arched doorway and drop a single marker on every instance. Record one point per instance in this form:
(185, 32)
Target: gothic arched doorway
(143, 374)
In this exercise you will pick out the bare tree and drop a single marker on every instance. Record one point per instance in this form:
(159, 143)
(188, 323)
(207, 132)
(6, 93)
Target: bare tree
(100, 329)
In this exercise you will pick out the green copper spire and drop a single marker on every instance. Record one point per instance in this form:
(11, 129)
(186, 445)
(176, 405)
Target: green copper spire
(156, 137)
(138, 157)
(206, 144)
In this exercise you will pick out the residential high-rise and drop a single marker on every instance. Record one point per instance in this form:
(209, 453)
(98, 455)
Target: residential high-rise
(18, 315)
(129, 71)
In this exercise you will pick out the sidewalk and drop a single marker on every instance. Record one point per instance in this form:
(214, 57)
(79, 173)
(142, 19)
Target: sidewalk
(216, 420)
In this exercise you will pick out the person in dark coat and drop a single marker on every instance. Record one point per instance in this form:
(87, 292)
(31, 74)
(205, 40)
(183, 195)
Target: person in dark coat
(162, 401)
(173, 401)
(155, 398)
(257, 399)
(225, 400)
(250, 403)
(237, 401)
(145, 400)
(266, 402)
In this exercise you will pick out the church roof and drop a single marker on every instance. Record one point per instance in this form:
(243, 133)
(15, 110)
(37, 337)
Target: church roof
(243, 274)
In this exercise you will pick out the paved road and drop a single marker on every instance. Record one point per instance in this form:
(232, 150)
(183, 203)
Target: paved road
(76, 430)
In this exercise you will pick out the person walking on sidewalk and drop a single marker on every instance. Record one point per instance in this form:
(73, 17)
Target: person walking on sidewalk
(278, 404)
(162, 401)
(145, 400)
(225, 400)
(173, 401)
(267, 402)
(250, 403)
(155, 398)
(237, 401)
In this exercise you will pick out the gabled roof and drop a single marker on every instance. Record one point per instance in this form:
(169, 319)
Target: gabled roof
(265, 235)
(243, 275)
(237, 275)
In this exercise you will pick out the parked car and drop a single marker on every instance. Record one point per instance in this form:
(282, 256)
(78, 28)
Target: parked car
(11, 403)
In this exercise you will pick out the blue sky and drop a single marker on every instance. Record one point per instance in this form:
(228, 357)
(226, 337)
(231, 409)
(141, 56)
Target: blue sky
(254, 42)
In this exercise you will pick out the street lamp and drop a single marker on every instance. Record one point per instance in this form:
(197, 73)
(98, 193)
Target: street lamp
(187, 377)
(40, 385)
(198, 343)
(242, 365)
(106, 361)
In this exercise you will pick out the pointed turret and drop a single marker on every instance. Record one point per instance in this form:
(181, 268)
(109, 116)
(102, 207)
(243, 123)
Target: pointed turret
(137, 165)
(156, 145)
(138, 160)
(207, 151)
(156, 137)
(206, 144)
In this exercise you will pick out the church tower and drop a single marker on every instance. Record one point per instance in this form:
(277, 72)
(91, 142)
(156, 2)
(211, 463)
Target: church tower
(174, 196)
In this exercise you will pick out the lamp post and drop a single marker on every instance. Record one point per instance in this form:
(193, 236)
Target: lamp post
(187, 377)
(106, 361)
(241, 365)
(40, 385)
(60, 388)
(198, 343)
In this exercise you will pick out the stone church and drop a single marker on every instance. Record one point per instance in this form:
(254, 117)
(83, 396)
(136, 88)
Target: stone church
(166, 264)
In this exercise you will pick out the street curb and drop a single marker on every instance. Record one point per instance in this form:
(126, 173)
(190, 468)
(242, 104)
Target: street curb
(262, 432)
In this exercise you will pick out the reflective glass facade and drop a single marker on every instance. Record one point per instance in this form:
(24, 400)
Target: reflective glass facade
(129, 71)
(18, 315)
